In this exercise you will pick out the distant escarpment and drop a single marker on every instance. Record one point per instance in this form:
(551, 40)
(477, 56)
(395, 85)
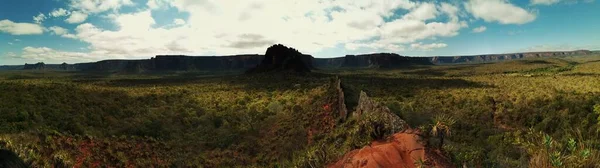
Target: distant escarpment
(175, 63)
(37, 66)
(502, 57)
(379, 60)
(281, 58)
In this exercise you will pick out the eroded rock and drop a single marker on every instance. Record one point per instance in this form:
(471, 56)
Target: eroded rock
(376, 118)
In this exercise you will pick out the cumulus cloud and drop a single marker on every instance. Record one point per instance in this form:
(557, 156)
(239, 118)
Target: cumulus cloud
(76, 17)
(501, 11)
(424, 11)
(157, 4)
(61, 32)
(427, 47)
(479, 29)
(379, 47)
(51, 55)
(39, 18)
(59, 12)
(98, 6)
(9, 43)
(449, 9)
(250, 26)
(13, 28)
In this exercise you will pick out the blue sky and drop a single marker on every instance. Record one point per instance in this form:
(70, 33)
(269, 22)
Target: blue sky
(56, 31)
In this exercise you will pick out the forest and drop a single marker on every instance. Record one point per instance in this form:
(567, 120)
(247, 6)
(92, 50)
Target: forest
(539, 112)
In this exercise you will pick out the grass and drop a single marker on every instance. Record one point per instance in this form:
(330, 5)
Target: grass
(504, 114)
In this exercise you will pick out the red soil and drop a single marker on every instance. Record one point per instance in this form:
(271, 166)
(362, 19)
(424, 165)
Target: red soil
(401, 150)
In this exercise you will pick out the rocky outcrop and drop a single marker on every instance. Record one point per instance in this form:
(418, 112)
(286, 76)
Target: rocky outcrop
(281, 58)
(401, 150)
(37, 66)
(377, 119)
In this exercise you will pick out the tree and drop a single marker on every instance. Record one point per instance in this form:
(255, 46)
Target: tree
(442, 127)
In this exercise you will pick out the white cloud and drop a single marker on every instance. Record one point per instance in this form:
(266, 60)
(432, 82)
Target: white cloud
(62, 32)
(76, 17)
(379, 47)
(13, 28)
(544, 2)
(50, 55)
(559, 47)
(479, 29)
(424, 11)
(449, 9)
(407, 31)
(427, 47)
(9, 43)
(98, 6)
(59, 12)
(58, 30)
(251, 26)
(39, 18)
(179, 22)
(157, 4)
(500, 11)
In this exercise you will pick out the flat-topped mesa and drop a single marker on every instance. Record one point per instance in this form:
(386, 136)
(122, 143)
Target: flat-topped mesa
(502, 57)
(281, 58)
(383, 60)
(206, 63)
(37, 66)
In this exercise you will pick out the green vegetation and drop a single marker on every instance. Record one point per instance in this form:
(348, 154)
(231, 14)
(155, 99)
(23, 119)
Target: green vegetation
(523, 113)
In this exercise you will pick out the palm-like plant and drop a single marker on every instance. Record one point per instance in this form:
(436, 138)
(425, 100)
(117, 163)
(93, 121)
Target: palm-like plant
(442, 127)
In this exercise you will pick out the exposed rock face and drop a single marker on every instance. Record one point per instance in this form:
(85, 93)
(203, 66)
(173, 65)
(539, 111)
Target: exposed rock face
(501, 57)
(402, 150)
(281, 58)
(341, 101)
(377, 119)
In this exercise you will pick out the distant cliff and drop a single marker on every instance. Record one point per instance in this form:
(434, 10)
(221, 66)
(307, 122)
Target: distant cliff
(502, 57)
(247, 62)
(175, 63)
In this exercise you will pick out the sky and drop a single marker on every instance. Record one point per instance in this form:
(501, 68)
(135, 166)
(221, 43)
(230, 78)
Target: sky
(72, 31)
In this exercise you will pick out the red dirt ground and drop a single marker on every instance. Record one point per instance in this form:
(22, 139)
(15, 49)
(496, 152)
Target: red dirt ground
(401, 150)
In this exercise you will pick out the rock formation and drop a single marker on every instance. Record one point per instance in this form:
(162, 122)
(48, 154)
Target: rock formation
(281, 58)
(37, 66)
(377, 119)
(502, 57)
